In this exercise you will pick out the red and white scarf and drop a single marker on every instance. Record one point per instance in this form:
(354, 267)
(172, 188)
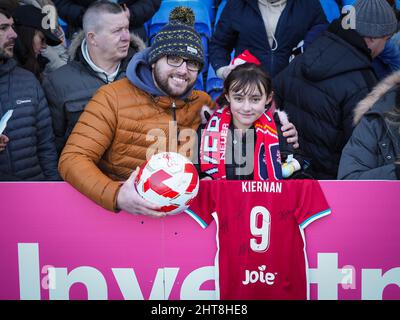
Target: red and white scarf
(267, 164)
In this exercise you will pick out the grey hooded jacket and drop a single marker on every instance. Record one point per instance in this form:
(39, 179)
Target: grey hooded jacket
(372, 150)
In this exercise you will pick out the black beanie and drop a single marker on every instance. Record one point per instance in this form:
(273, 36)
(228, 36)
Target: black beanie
(178, 38)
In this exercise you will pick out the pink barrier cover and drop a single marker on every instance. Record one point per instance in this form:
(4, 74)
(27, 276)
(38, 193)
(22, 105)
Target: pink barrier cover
(57, 244)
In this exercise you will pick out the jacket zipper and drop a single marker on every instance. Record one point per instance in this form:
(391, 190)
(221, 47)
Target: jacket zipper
(175, 124)
(174, 111)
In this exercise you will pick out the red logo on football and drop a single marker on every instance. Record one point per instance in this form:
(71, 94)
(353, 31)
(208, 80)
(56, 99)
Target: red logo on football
(169, 180)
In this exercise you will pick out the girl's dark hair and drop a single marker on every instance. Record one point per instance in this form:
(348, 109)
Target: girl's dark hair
(246, 76)
(23, 50)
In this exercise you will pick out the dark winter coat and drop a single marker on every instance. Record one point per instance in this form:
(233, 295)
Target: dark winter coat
(375, 144)
(69, 88)
(30, 153)
(241, 27)
(320, 89)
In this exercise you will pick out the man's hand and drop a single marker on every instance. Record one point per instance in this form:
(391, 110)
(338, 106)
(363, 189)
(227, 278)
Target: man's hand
(289, 131)
(130, 201)
(3, 142)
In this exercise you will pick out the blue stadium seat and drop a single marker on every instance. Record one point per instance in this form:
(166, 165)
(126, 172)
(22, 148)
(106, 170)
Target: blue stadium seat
(210, 6)
(214, 85)
(199, 85)
(331, 9)
(348, 2)
(63, 25)
(202, 23)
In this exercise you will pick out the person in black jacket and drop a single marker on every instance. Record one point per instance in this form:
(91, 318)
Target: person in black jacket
(140, 11)
(98, 57)
(320, 88)
(269, 29)
(28, 151)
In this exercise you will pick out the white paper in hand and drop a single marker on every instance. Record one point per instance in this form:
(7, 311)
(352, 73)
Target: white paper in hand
(4, 120)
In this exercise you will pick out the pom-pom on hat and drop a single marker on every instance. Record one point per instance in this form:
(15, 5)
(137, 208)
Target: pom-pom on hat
(178, 38)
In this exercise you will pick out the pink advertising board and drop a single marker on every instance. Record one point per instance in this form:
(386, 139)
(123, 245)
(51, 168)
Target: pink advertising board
(57, 244)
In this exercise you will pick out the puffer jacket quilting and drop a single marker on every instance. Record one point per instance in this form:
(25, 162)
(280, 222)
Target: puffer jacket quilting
(120, 127)
(30, 154)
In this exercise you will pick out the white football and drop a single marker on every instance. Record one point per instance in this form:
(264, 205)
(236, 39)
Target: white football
(168, 180)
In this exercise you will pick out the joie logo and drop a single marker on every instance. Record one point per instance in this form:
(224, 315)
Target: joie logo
(259, 276)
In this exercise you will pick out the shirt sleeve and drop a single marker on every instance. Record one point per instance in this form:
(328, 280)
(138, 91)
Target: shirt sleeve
(204, 205)
(312, 203)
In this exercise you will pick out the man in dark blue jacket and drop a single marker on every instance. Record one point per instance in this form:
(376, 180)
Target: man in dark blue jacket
(320, 88)
(269, 29)
(27, 148)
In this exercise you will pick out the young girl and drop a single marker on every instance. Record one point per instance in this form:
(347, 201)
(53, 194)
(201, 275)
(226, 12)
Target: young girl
(242, 140)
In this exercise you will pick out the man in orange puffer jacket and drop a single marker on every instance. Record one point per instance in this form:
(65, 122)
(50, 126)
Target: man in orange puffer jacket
(132, 118)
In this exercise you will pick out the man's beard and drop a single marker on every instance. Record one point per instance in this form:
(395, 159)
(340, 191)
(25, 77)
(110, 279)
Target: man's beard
(4, 54)
(162, 83)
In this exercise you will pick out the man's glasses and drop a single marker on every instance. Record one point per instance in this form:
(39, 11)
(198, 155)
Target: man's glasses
(175, 61)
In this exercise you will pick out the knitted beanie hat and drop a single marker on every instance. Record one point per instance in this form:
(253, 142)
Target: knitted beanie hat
(178, 38)
(374, 18)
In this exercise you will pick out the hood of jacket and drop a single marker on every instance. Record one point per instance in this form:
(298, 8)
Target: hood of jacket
(139, 73)
(336, 52)
(380, 99)
(74, 51)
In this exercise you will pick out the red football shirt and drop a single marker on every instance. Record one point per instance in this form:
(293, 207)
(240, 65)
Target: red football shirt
(261, 245)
